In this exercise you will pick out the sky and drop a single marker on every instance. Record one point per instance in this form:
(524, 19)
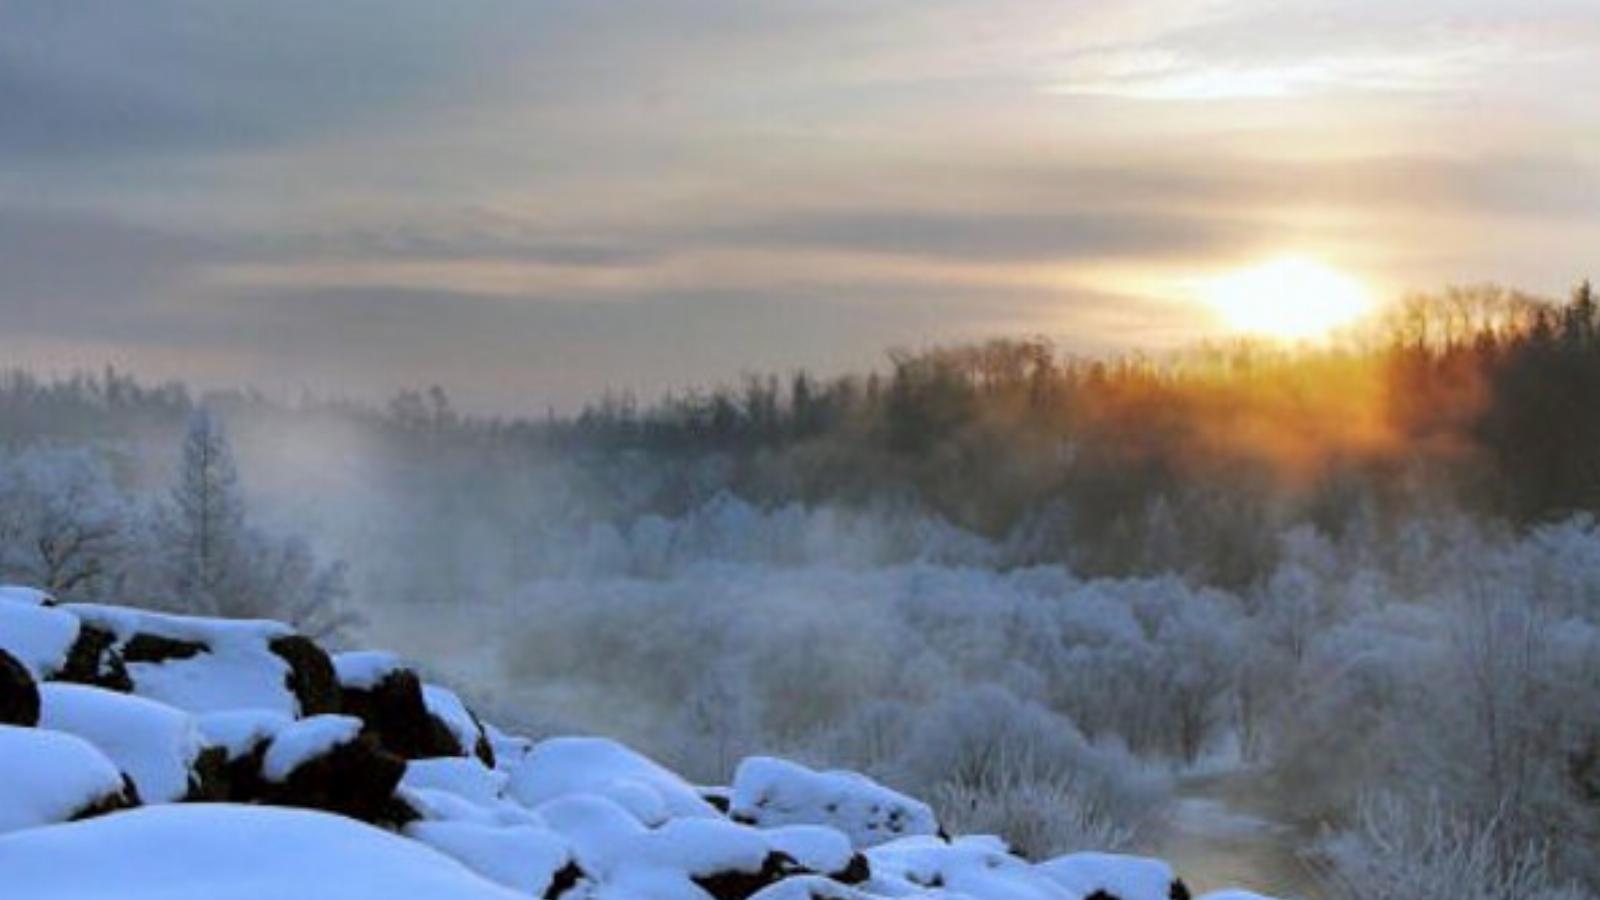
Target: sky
(533, 202)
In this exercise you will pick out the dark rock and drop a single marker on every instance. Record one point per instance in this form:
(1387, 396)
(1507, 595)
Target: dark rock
(19, 695)
(154, 648)
(1178, 891)
(481, 748)
(311, 676)
(393, 714)
(127, 798)
(241, 775)
(356, 779)
(93, 659)
(208, 777)
(718, 798)
(565, 879)
(858, 871)
(737, 885)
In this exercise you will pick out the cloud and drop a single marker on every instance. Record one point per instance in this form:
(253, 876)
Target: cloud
(993, 235)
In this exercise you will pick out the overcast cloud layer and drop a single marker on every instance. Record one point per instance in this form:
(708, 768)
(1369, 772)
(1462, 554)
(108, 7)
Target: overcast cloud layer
(530, 202)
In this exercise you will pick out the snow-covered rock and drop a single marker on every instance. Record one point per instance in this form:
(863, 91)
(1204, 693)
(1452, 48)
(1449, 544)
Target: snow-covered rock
(230, 852)
(50, 776)
(394, 710)
(363, 669)
(301, 742)
(563, 766)
(25, 596)
(324, 762)
(155, 744)
(40, 637)
(1127, 877)
(684, 858)
(769, 792)
(465, 777)
(204, 665)
(443, 704)
(978, 866)
(529, 858)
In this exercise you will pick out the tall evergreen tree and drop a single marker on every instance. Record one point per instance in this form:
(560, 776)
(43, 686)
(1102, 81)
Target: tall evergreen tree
(206, 519)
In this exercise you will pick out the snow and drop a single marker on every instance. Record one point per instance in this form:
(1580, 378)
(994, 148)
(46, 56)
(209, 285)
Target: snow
(658, 863)
(443, 702)
(523, 857)
(363, 669)
(465, 777)
(815, 847)
(125, 622)
(809, 887)
(38, 636)
(49, 776)
(238, 731)
(436, 805)
(24, 596)
(153, 743)
(1128, 877)
(305, 740)
(971, 866)
(236, 670)
(769, 792)
(579, 765)
(230, 852)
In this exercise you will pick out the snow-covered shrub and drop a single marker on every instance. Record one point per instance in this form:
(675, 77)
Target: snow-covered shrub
(1428, 851)
(1039, 817)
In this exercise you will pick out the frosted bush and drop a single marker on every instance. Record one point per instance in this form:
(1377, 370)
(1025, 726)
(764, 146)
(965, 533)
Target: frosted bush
(1428, 851)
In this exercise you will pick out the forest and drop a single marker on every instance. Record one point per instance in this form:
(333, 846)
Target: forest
(1358, 581)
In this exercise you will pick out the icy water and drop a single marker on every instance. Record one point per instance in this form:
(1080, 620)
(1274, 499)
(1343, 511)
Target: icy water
(1215, 837)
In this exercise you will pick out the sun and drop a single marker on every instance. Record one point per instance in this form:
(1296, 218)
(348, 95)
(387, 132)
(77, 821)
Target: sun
(1289, 298)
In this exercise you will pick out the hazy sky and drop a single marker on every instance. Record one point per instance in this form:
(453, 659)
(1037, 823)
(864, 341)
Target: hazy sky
(531, 201)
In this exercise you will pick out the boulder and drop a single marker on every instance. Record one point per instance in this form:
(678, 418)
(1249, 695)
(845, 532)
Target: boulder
(393, 713)
(19, 695)
(329, 763)
(311, 677)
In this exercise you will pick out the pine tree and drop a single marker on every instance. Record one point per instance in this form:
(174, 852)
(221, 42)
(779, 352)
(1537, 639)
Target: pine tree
(205, 517)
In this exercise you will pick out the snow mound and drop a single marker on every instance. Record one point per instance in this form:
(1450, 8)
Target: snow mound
(1128, 877)
(969, 866)
(152, 742)
(40, 637)
(563, 766)
(684, 859)
(25, 596)
(528, 858)
(230, 852)
(768, 792)
(467, 778)
(305, 740)
(363, 669)
(48, 777)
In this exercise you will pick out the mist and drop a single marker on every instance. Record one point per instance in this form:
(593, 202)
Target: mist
(1232, 583)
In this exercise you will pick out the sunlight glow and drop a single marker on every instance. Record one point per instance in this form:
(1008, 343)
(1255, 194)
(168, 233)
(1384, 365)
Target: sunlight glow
(1290, 298)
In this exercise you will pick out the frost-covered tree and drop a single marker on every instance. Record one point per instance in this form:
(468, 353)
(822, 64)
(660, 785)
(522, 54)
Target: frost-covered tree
(62, 521)
(217, 563)
(205, 523)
